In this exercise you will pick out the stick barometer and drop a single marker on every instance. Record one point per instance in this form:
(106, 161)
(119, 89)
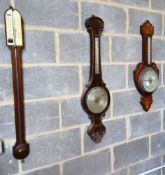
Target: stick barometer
(14, 40)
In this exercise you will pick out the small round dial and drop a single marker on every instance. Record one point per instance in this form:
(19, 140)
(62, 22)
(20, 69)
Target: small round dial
(97, 100)
(149, 79)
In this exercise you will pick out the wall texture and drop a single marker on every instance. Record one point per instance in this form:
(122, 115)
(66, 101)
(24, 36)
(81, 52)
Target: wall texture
(55, 63)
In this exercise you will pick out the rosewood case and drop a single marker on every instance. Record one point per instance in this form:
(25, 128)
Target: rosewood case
(96, 129)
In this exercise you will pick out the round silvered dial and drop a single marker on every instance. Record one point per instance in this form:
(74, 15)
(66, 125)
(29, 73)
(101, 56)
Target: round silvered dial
(149, 79)
(97, 100)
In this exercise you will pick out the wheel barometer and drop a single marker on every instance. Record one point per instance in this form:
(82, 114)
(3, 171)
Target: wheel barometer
(95, 99)
(146, 74)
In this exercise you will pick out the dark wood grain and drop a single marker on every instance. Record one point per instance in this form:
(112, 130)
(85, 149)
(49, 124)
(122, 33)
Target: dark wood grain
(21, 148)
(96, 130)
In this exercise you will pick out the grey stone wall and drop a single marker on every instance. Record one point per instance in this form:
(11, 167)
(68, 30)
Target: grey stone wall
(56, 65)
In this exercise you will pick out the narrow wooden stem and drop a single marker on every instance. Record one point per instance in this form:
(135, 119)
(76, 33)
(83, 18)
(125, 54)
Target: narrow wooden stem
(21, 148)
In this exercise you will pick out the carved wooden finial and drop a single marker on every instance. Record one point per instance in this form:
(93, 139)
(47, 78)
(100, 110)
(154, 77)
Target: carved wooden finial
(146, 102)
(147, 29)
(96, 129)
(94, 24)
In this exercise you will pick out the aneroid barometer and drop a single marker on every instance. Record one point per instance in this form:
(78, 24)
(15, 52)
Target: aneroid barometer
(146, 74)
(14, 40)
(95, 99)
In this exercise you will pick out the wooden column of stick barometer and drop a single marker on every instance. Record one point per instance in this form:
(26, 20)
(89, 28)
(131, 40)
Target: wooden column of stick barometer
(14, 40)
(146, 74)
(95, 99)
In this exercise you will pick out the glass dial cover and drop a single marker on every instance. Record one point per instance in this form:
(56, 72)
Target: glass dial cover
(97, 100)
(149, 79)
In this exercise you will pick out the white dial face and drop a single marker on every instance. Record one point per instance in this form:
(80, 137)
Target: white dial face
(149, 79)
(97, 100)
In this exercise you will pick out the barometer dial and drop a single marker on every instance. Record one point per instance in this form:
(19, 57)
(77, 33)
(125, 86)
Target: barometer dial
(149, 80)
(97, 100)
